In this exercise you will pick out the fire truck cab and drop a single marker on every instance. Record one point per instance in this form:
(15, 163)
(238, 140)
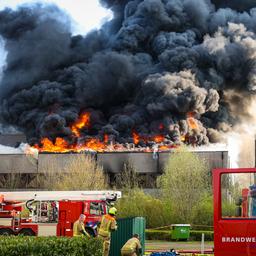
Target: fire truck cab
(52, 213)
(234, 212)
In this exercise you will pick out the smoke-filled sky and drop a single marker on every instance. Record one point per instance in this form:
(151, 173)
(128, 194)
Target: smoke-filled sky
(149, 69)
(86, 15)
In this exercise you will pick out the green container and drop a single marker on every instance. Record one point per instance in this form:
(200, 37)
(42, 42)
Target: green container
(180, 231)
(127, 227)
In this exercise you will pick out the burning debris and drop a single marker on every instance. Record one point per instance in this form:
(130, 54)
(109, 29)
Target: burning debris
(159, 74)
(83, 142)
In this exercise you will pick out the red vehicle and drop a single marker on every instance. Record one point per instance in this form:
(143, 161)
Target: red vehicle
(234, 212)
(52, 213)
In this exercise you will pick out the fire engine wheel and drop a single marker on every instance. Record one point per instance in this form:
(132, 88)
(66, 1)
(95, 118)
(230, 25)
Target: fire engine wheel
(27, 232)
(6, 232)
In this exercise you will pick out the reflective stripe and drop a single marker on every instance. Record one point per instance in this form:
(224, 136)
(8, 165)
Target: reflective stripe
(104, 229)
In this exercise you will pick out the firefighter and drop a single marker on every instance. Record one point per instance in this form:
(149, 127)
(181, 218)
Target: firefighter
(107, 225)
(132, 247)
(78, 227)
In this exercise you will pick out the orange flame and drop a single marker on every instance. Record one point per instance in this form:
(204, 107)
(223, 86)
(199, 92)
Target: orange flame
(182, 138)
(136, 138)
(60, 145)
(105, 138)
(83, 121)
(167, 147)
(158, 138)
(94, 144)
(192, 123)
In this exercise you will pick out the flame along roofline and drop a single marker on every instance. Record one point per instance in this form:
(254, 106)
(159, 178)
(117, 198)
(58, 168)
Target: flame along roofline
(171, 150)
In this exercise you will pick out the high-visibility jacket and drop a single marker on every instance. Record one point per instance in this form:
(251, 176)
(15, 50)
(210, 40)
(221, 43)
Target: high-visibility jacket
(78, 229)
(108, 224)
(131, 246)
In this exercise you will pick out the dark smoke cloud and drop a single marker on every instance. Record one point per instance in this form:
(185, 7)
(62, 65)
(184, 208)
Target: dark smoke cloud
(235, 4)
(149, 68)
(37, 41)
(177, 93)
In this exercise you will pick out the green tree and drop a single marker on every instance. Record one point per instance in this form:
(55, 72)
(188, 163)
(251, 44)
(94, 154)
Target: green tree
(136, 203)
(128, 178)
(202, 214)
(10, 181)
(79, 173)
(184, 183)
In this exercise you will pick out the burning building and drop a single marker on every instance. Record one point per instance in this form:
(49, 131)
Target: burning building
(148, 165)
(160, 74)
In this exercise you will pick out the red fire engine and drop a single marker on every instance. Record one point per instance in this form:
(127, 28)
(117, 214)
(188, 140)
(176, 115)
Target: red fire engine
(234, 212)
(52, 213)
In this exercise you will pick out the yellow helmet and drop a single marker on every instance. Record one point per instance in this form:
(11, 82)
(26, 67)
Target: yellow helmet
(112, 211)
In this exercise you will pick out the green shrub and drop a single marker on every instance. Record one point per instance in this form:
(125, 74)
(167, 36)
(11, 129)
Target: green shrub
(202, 214)
(228, 209)
(165, 235)
(136, 203)
(196, 235)
(49, 246)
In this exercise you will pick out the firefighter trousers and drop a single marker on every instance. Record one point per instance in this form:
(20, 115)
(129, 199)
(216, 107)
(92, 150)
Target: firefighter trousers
(106, 245)
(128, 254)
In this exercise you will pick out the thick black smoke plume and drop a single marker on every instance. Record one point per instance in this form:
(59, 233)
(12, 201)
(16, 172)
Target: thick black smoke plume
(149, 68)
(238, 5)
